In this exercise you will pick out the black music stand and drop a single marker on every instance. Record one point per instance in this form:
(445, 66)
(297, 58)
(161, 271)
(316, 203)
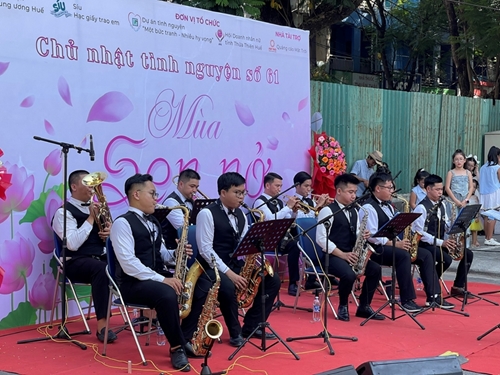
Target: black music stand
(198, 205)
(462, 222)
(391, 230)
(260, 236)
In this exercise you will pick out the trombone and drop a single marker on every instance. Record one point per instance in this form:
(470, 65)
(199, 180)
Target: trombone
(175, 181)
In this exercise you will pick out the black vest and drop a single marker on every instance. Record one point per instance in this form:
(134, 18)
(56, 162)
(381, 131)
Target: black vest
(93, 245)
(225, 237)
(308, 201)
(274, 208)
(433, 220)
(342, 232)
(381, 215)
(170, 234)
(146, 249)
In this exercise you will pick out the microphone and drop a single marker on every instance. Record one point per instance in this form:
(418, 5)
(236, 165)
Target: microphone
(434, 208)
(92, 152)
(355, 202)
(396, 176)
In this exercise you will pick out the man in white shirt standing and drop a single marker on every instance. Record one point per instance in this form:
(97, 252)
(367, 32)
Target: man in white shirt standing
(363, 169)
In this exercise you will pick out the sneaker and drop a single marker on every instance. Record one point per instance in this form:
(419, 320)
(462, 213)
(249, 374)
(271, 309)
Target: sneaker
(441, 303)
(491, 242)
(411, 306)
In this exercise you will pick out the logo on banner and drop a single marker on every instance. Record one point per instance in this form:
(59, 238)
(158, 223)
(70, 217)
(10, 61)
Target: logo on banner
(219, 35)
(272, 46)
(59, 9)
(135, 21)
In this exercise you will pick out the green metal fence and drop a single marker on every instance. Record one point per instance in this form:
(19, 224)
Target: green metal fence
(412, 130)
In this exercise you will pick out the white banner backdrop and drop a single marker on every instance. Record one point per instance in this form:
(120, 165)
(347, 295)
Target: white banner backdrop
(161, 87)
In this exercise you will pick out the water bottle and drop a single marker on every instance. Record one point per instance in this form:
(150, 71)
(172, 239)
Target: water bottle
(316, 309)
(160, 335)
(420, 285)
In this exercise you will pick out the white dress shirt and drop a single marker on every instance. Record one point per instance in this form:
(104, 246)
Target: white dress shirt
(75, 236)
(285, 213)
(419, 224)
(322, 235)
(124, 245)
(301, 214)
(372, 222)
(176, 217)
(205, 228)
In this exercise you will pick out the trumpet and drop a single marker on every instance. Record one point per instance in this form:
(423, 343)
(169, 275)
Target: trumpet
(328, 201)
(305, 208)
(175, 181)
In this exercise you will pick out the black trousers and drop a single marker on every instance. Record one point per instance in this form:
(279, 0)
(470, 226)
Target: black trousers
(427, 270)
(229, 304)
(91, 271)
(342, 269)
(292, 250)
(162, 298)
(384, 255)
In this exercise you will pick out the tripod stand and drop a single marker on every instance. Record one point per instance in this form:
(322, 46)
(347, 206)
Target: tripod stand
(263, 235)
(391, 229)
(63, 332)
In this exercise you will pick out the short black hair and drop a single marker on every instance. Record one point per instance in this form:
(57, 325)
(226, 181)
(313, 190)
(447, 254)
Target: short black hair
(342, 180)
(74, 177)
(229, 179)
(377, 178)
(270, 177)
(301, 177)
(432, 180)
(137, 178)
(188, 174)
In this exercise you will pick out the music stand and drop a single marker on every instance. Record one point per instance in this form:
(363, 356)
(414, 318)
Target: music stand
(391, 230)
(462, 222)
(198, 205)
(260, 236)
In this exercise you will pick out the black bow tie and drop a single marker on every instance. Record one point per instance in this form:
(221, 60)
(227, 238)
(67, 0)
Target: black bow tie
(190, 201)
(148, 217)
(231, 212)
(85, 204)
(386, 203)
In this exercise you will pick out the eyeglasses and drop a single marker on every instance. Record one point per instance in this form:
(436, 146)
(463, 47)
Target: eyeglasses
(387, 187)
(240, 193)
(153, 193)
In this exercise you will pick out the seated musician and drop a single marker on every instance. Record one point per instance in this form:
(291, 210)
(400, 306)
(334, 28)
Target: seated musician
(141, 272)
(432, 224)
(380, 211)
(187, 186)
(276, 209)
(343, 231)
(85, 259)
(219, 228)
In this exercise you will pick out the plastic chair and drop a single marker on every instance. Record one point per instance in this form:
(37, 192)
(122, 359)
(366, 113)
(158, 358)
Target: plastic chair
(116, 300)
(57, 256)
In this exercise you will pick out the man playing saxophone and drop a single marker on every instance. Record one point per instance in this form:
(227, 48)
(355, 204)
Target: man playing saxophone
(340, 240)
(219, 228)
(433, 223)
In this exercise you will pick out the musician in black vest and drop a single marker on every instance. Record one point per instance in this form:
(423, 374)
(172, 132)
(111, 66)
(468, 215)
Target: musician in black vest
(343, 232)
(187, 186)
(140, 271)
(432, 224)
(219, 228)
(274, 209)
(85, 259)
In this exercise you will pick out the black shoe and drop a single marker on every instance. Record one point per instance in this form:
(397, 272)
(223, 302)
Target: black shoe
(411, 306)
(188, 348)
(334, 281)
(258, 335)
(111, 335)
(236, 341)
(343, 313)
(440, 302)
(292, 289)
(179, 360)
(460, 292)
(366, 311)
(312, 284)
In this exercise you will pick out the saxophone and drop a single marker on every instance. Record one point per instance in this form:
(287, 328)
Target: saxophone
(361, 248)
(95, 180)
(251, 271)
(414, 238)
(208, 329)
(458, 252)
(188, 277)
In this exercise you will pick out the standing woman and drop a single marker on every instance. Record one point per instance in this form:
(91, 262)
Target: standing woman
(459, 186)
(489, 180)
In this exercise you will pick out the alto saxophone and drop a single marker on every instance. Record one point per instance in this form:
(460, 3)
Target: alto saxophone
(208, 329)
(414, 238)
(188, 277)
(251, 271)
(103, 216)
(458, 252)
(361, 248)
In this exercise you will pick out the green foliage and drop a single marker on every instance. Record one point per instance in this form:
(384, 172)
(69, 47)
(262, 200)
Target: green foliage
(83, 292)
(249, 8)
(37, 207)
(24, 315)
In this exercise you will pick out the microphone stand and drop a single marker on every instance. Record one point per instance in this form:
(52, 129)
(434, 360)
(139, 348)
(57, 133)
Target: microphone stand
(63, 332)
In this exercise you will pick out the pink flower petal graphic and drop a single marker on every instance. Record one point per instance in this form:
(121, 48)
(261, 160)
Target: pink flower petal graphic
(63, 88)
(244, 113)
(3, 67)
(28, 102)
(113, 106)
(48, 127)
(272, 143)
(287, 119)
(303, 103)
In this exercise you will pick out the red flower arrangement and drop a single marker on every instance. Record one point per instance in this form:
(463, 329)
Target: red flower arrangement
(329, 162)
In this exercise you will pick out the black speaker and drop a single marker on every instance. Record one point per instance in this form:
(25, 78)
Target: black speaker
(448, 365)
(344, 370)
